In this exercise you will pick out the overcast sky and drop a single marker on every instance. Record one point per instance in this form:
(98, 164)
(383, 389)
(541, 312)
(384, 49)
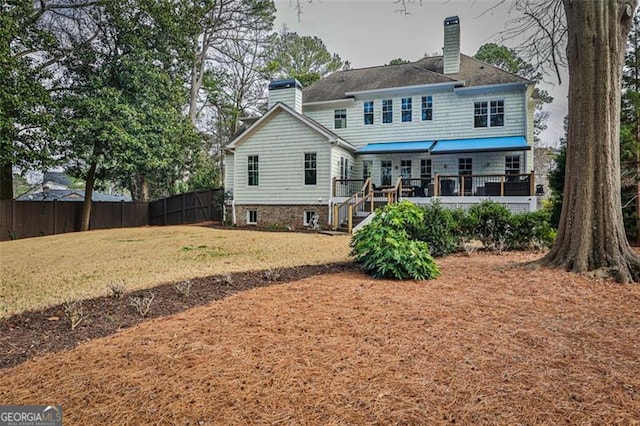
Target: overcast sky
(372, 32)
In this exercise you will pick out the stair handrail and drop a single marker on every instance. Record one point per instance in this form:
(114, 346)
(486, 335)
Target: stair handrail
(353, 203)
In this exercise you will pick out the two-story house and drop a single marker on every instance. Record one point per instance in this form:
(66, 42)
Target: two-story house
(448, 127)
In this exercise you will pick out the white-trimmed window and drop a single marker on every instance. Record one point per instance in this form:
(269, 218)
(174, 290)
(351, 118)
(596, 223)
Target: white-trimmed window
(367, 169)
(488, 114)
(496, 113)
(385, 172)
(406, 110)
(387, 110)
(309, 218)
(512, 165)
(368, 112)
(427, 108)
(310, 168)
(252, 170)
(425, 169)
(340, 118)
(405, 171)
(344, 168)
(252, 217)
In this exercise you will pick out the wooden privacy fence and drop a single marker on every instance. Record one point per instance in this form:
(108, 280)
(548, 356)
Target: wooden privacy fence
(191, 207)
(24, 219)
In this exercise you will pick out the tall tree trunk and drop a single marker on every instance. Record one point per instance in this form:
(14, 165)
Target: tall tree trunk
(591, 234)
(6, 181)
(88, 196)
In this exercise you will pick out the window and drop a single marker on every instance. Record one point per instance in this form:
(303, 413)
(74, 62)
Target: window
(310, 219)
(368, 112)
(367, 168)
(465, 168)
(340, 118)
(488, 114)
(406, 109)
(310, 168)
(385, 172)
(252, 217)
(387, 111)
(252, 170)
(425, 177)
(405, 171)
(344, 168)
(497, 113)
(480, 114)
(512, 165)
(427, 108)
(425, 169)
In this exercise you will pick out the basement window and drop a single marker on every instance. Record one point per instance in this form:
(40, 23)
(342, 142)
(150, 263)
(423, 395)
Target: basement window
(252, 217)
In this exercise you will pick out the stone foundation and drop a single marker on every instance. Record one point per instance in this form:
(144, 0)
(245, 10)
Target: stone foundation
(281, 216)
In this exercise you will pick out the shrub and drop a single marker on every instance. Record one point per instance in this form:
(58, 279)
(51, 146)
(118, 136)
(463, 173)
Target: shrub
(492, 224)
(440, 230)
(531, 231)
(385, 249)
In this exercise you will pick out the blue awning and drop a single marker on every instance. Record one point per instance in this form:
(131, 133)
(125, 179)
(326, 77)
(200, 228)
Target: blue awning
(395, 147)
(456, 146)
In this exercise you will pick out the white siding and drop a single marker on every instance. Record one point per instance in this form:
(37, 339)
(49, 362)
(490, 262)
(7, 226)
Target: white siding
(280, 146)
(228, 171)
(291, 96)
(452, 118)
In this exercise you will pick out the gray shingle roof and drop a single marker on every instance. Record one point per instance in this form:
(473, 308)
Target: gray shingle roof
(424, 71)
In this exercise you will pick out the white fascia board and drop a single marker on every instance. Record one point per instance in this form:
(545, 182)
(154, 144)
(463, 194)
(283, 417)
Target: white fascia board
(274, 109)
(407, 89)
(344, 144)
(332, 103)
(490, 88)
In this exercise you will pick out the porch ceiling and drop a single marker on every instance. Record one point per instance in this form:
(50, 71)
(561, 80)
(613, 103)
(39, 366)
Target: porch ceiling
(455, 146)
(396, 147)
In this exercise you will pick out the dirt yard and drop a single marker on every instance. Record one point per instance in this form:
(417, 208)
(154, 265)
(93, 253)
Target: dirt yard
(40, 272)
(488, 342)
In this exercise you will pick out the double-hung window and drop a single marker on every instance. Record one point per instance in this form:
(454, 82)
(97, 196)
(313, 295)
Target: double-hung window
(344, 168)
(488, 114)
(252, 170)
(497, 113)
(387, 111)
(512, 165)
(480, 114)
(340, 118)
(427, 108)
(367, 168)
(310, 168)
(406, 109)
(368, 112)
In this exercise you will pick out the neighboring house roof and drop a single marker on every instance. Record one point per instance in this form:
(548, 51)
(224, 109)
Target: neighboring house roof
(70, 195)
(473, 72)
(282, 108)
(57, 178)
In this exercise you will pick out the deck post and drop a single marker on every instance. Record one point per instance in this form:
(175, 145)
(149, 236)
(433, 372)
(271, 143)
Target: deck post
(502, 186)
(532, 183)
(436, 187)
(335, 215)
(350, 218)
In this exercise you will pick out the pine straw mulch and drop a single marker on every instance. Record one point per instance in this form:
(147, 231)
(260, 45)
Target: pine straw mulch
(489, 342)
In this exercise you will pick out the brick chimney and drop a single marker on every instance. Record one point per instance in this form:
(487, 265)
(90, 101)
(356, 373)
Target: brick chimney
(289, 92)
(451, 56)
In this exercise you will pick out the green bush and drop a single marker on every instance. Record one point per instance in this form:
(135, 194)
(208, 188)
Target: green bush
(440, 229)
(491, 224)
(385, 249)
(531, 231)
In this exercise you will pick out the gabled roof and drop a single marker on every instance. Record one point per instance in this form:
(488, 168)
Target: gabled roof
(473, 72)
(282, 108)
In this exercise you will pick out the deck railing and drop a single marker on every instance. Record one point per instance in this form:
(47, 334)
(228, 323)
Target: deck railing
(447, 186)
(360, 203)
